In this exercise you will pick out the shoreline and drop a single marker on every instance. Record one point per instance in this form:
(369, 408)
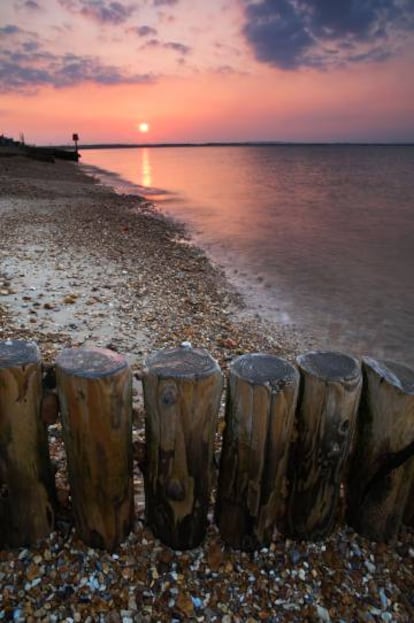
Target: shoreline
(81, 265)
(253, 303)
(150, 271)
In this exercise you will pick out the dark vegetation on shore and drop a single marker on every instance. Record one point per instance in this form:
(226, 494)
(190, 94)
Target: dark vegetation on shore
(10, 148)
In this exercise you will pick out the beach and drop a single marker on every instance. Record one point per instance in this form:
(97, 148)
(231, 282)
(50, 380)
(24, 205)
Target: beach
(83, 266)
(88, 266)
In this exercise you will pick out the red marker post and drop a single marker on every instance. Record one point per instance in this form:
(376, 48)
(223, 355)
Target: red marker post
(75, 138)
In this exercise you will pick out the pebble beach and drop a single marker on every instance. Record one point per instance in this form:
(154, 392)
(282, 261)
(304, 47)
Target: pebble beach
(83, 266)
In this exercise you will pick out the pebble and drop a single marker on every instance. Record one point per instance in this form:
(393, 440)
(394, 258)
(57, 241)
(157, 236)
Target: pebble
(323, 614)
(294, 556)
(370, 566)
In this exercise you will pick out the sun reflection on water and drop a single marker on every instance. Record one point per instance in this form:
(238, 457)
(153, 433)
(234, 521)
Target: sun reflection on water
(146, 173)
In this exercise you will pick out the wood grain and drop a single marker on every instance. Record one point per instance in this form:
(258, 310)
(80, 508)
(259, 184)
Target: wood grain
(26, 479)
(94, 387)
(382, 468)
(325, 425)
(182, 389)
(260, 411)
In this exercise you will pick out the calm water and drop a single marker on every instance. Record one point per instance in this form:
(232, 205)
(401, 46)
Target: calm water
(318, 236)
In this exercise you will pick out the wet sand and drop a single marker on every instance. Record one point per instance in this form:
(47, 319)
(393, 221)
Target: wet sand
(80, 265)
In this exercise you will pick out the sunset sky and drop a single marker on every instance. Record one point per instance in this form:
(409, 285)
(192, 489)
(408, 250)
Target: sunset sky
(197, 70)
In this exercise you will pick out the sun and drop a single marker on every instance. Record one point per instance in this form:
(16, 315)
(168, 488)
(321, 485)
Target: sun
(143, 127)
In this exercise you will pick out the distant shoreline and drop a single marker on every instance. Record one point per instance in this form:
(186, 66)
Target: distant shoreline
(228, 144)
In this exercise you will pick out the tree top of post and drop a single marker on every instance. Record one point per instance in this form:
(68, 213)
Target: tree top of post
(264, 369)
(330, 366)
(90, 362)
(182, 361)
(18, 353)
(396, 374)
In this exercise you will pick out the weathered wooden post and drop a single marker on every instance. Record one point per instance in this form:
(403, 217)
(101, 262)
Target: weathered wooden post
(182, 389)
(27, 494)
(327, 407)
(409, 507)
(382, 466)
(260, 413)
(95, 394)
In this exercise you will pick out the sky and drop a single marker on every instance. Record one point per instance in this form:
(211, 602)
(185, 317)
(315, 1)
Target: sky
(199, 71)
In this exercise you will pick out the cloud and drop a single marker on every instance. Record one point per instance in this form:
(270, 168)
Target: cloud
(142, 31)
(181, 48)
(10, 29)
(151, 43)
(290, 34)
(31, 46)
(164, 2)
(26, 66)
(32, 5)
(177, 47)
(227, 70)
(101, 11)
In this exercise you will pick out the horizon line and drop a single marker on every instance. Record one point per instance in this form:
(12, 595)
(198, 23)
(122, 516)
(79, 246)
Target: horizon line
(114, 145)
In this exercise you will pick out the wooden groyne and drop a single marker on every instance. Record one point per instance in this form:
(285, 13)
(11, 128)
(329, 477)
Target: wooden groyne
(330, 437)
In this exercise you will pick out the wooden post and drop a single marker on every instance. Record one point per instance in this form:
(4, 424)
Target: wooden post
(27, 494)
(382, 466)
(182, 389)
(408, 518)
(75, 138)
(326, 416)
(95, 393)
(260, 412)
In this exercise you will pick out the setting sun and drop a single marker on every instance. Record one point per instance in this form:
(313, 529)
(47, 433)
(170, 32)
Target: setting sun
(143, 126)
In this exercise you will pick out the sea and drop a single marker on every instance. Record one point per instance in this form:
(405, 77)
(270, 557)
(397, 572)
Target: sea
(316, 237)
